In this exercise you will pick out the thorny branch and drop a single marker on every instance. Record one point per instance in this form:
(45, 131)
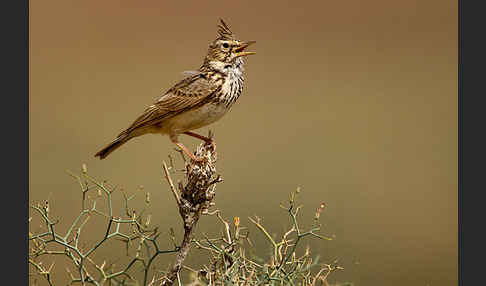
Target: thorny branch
(230, 264)
(97, 274)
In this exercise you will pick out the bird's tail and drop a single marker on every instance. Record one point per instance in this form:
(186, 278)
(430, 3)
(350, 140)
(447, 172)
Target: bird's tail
(120, 140)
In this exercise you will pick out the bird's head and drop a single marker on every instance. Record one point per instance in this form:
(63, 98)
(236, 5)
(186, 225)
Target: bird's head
(226, 49)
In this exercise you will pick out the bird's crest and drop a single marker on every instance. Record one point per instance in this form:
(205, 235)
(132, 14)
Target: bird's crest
(224, 31)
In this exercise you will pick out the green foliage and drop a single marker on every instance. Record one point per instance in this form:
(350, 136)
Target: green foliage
(87, 271)
(230, 258)
(230, 264)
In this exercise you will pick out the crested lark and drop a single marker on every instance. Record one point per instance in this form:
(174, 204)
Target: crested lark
(201, 98)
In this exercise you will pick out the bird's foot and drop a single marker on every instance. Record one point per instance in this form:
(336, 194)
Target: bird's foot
(199, 160)
(208, 140)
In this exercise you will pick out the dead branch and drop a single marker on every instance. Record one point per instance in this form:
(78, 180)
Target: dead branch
(194, 198)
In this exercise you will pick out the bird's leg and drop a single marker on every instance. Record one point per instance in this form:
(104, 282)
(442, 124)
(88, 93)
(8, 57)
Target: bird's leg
(185, 150)
(204, 138)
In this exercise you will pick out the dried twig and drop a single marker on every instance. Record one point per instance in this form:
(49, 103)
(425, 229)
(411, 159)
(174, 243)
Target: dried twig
(171, 184)
(195, 198)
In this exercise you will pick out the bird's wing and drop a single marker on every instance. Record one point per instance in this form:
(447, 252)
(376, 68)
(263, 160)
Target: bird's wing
(189, 93)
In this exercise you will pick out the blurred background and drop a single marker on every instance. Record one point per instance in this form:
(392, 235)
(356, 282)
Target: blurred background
(353, 101)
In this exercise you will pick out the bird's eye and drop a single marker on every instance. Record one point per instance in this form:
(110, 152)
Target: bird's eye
(227, 66)
(225, 45)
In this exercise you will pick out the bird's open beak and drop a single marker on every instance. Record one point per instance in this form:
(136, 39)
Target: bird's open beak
(239, 51)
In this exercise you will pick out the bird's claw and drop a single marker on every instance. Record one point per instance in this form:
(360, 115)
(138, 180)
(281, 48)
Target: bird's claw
(197, 160)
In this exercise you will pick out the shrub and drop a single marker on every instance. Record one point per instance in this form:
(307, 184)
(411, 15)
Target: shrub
(229, 261)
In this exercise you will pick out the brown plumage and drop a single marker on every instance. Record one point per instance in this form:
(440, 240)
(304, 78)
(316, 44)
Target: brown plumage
(200, 99)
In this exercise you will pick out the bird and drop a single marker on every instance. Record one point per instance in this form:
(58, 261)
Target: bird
(202, 97)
